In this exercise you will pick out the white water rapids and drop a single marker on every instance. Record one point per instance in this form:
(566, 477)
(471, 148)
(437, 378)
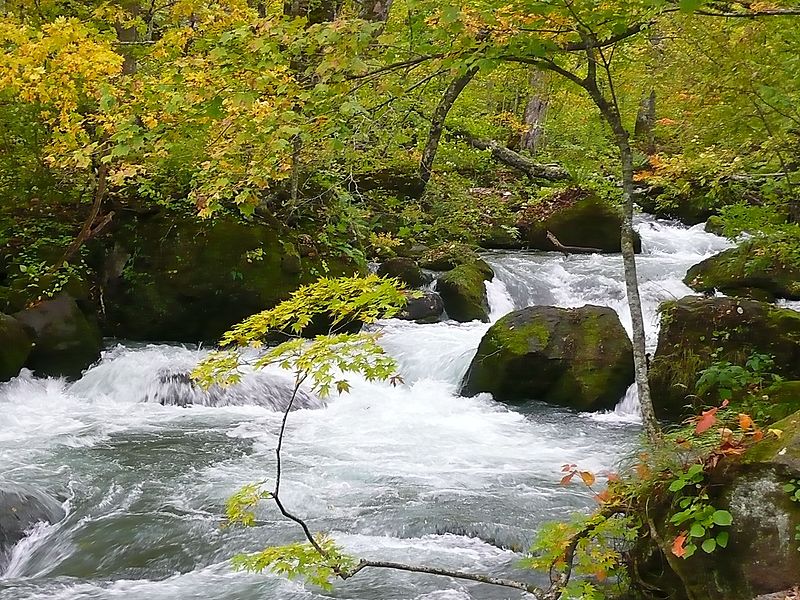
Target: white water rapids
(413, 473)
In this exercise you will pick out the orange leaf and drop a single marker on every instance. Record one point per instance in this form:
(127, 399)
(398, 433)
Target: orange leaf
(706, 421)
(758, 435)
(567, 478)
(612, 477)
(603, 496)
(677, 546)
(745, 421)
(588, 478)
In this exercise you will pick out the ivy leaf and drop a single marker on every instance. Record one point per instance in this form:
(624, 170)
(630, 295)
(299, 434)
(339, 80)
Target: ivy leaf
(722, 539)
(697, 530)
(722, 517)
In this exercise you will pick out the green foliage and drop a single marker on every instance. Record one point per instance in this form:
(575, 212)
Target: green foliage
(599, 553)
(300, 561)
(727, 379)
(698, 520)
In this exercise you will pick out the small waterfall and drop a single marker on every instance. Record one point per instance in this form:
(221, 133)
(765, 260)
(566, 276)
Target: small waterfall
(161, 374)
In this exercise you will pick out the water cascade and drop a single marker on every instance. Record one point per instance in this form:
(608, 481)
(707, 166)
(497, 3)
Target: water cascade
(144, 462)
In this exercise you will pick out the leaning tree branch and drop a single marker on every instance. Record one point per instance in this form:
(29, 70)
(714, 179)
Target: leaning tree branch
(89, 229)
(534, 170)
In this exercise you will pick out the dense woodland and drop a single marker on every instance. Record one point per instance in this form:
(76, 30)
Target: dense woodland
(280, 174)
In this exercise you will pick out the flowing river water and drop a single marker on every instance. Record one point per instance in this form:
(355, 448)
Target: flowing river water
(413, 473)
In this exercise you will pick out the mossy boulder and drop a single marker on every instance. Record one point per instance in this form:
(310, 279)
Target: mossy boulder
(575, 217)
(427, 308)
(715, 224)
(778, 401)
(762, 553)
(696, 332)
(750, 270)
(761, 556)
(65, 341)
(579, 358)
(448, 256)
(171, 277)
(463, 291)
(15, 347)
(404, 269)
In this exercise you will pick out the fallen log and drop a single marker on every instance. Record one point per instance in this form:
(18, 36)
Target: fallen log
(534, 170)
(567, 250)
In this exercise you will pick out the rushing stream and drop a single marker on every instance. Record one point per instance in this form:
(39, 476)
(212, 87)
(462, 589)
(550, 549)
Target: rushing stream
(413, 473)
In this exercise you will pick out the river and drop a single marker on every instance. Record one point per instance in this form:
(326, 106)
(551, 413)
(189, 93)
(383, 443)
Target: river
(411, 473)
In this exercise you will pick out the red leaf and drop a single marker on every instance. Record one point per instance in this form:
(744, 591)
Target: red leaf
(677, 546)
(567, 478)
(706, 421)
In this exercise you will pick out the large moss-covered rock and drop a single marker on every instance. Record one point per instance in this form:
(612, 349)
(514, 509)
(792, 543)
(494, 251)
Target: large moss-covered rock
(696, 332)
(577, 218)
(65, 341)
(404, 269)
(749, 270)
(15, 347)
(463, 291)
(171, 277)
(579, 358)
(762, 553)
(779, 401)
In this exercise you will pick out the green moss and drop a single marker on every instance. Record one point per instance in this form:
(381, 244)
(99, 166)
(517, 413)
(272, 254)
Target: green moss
(750, 270)
(464, 293)
(15, 346)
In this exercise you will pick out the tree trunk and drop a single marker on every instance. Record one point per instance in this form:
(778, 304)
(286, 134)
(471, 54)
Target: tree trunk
(632, 285)
(535, 112)
(644, 130)
(610, 112)
(451, 94)
(316, 11)
(375, 10)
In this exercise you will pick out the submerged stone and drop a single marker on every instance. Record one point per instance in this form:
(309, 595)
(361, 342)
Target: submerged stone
(21, 508)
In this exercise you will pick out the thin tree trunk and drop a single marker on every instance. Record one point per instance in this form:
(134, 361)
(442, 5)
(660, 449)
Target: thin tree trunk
(375, 10)
(644, 130)
(88, 229)
(610, 112)
(535, 112)
(451, 94)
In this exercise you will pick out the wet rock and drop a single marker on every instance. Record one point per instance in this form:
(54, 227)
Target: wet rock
(449, 256)
(22, 507)
(715, 225)
(762, 553)
(187, 280)
(428, 308)
(575, 217)
(749, 270)
(176, 388)
(579, 358)
(15, 347)
(463, 291)
(693, 329)
(406, 270)
(65, 341)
